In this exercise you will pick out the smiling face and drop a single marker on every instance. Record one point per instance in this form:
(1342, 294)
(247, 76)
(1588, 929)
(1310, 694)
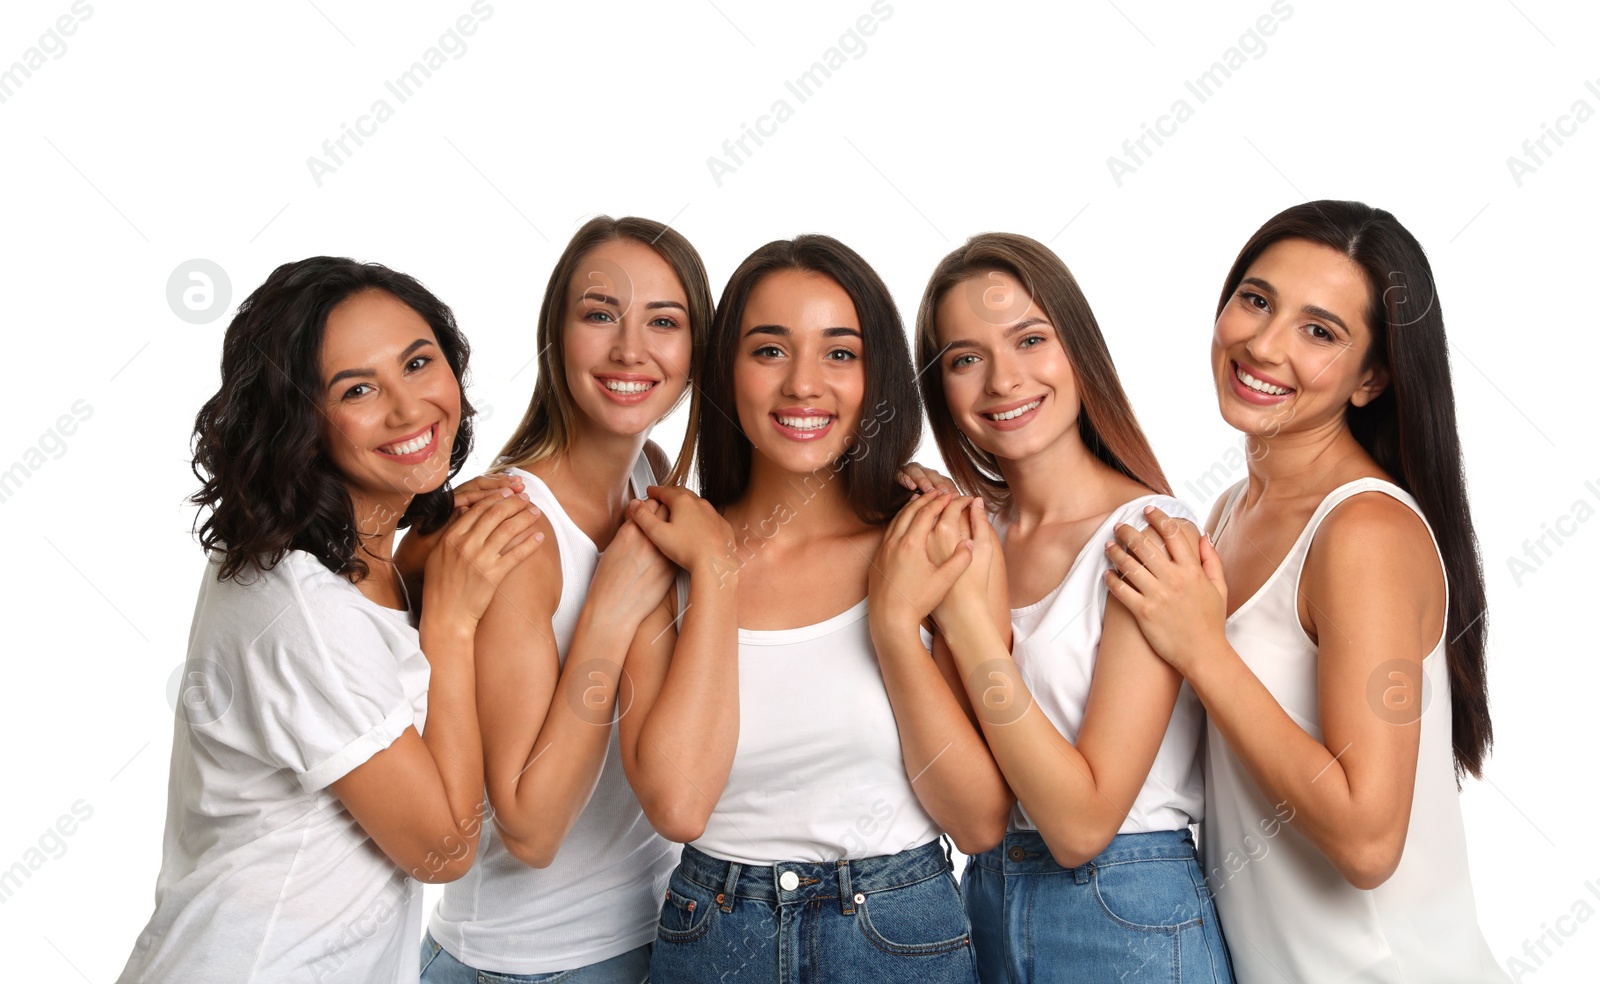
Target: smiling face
(390, 404)
(1007, 379)
(626, 337)
(798, 378)
(1289, 346)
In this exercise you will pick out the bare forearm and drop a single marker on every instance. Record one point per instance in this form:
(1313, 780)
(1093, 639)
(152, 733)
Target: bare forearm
(686, 744)
(952, 773)
(451, 735)
(543, 768)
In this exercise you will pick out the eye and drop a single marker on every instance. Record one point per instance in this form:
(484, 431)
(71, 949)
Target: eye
(847, 355)
(598, 316)
(663, 321)
(1319, 332)
(418, 363)
(351, 394)
(1033, 341)
(963, 361)
(768, 352)
(1253, 299)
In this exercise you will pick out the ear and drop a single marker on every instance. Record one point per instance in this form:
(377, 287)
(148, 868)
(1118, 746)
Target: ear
(1371, 386)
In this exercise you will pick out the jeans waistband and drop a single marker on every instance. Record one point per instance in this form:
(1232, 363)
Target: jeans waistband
(1023, 852)
(802, 881)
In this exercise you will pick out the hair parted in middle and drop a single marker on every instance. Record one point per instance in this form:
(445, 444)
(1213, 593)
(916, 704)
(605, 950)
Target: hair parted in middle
(891, 418)
(1106, 422)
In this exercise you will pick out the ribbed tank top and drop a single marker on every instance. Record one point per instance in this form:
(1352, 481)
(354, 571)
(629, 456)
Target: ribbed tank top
(1286, 911)
(601, 896)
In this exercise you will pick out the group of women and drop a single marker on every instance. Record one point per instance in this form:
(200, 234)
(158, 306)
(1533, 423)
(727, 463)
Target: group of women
(830, 662)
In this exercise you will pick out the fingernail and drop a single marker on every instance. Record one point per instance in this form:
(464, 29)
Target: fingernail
(1110, 544)
(525, 497)
(505, 493)
(538, 538)
(1149, 509)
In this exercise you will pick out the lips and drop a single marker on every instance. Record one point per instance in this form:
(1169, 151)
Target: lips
(1010, 416)
(802, 423)
(1256, 387)
(413, 447)
(627, 388)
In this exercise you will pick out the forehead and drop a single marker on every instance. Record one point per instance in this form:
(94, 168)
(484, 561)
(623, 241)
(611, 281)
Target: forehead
(988, 301)
(366, 327)
(625, 268)
(799, 299)
(1304, 272)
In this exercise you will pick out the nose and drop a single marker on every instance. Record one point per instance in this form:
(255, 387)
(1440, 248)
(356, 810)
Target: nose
(803, 381)
(1004, 376)
(1267, 344)
(628, 345)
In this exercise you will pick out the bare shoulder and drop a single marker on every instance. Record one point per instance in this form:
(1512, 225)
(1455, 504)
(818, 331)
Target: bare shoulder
(533, 586)
(1376, 540)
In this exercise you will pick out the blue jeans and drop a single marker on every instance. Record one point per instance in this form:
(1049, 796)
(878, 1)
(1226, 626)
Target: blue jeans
(1140, 912)
(883, 919)
(439, 967)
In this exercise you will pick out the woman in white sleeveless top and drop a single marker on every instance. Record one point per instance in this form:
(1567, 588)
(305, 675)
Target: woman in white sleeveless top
(1097, 880)
(569, 874)
(1343, 673)
(795, 733)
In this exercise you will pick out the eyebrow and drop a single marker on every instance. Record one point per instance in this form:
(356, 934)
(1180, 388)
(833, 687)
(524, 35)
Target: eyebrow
(783, 332)
(1022, 325)
(344, 374)
(1311, 309)
(590, 295)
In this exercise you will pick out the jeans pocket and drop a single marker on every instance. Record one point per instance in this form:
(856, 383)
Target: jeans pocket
(1157, 895)
(917, 920)
(686, 911)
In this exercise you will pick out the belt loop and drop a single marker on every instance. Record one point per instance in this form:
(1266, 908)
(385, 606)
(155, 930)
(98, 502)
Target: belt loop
(1082, 873)
(847, 901)
(945, 840)
(728, 885)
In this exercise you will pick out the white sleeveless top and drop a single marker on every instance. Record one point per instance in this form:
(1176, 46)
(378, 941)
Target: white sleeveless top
(1055, 643)
(601, 896)
(818, 773)
(1286, 911)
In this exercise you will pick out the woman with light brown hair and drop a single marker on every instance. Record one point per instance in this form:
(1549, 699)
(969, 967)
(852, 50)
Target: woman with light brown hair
(1097, 877)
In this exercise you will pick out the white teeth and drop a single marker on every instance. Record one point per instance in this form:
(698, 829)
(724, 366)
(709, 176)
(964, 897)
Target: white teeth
(618, 386)
(805, 423)
(412, 446)
(1009, 414)
(1258, 385)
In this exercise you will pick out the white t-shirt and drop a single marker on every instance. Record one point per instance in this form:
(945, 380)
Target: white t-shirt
(601, 895)
(292, 681)
(818, 774)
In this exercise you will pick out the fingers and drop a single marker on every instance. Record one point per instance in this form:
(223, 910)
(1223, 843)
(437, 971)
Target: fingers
(649, 520)
(922, 523)
(1211, 563)
(908, 514)
(1179, 537)
(1145, 546)
(957, 564)
(481, 517)
(1126, 567)
(955, 523)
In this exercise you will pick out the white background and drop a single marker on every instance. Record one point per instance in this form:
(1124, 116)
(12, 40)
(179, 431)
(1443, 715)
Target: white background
(169, 133)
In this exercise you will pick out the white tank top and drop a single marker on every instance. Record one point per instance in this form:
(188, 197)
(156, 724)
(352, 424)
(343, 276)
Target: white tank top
(601, 896)
(818, 773)
(1286, 911)
(1055, 643)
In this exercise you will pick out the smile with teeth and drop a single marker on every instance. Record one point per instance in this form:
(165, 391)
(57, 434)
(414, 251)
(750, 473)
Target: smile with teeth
(806, 423)
(412, 446)
(626, 386)
(1016, 412)
(1257, 385)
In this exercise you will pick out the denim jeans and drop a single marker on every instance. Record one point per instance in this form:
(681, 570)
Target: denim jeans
(883, 919)
(439, 967)
(1140, 912)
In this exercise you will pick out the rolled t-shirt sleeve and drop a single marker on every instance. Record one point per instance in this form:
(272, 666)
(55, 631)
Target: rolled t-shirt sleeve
(319, 691)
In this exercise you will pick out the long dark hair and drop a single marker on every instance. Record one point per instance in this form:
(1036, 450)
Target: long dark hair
(258, 448)
(1410, 428)
(546, 429)
(891, 418)
(1106, 423)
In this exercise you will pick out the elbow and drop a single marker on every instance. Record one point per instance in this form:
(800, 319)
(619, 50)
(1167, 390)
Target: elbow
(1076, 846)
(676, 819)
(532, 853)
(1369, 864)
(982, 833)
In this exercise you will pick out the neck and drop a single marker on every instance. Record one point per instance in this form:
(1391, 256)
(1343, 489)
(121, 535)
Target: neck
(376, 523)
(1293, 464)
(806, 504)
(1061, 483)
(599, 463)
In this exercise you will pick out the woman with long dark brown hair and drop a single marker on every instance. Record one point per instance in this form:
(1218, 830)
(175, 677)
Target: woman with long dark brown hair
(1343, 674)
(798, 738)
(1097, 879)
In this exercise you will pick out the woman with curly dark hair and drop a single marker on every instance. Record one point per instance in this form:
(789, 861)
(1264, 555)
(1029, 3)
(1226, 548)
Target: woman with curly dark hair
(327, 744)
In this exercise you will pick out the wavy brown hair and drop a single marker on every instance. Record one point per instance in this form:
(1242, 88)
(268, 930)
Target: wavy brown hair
(546, 429)
(258, 445)
(1410, 428)
(1106, 423)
